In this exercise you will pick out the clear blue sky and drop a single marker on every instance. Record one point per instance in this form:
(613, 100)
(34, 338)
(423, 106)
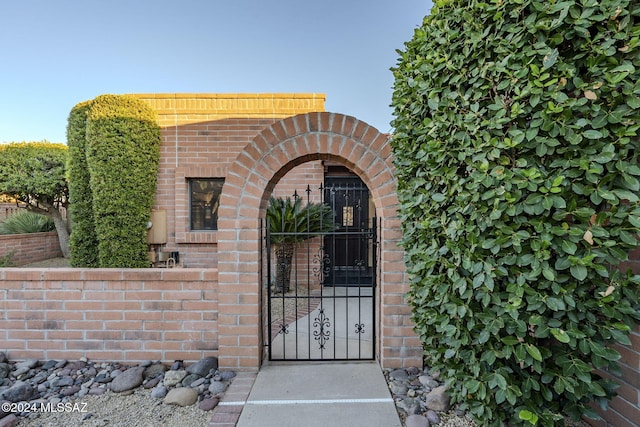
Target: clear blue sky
(54, 54)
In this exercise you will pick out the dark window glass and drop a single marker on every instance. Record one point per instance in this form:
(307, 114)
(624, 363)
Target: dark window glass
(205, 198)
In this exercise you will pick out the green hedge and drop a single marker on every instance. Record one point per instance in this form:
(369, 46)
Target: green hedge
(83, 240)
(123, 152)
(516, 149)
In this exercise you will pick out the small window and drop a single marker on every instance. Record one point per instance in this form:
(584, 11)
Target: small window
(205, 199)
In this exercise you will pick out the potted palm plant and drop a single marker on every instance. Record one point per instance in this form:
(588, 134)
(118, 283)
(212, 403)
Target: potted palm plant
(289, 224)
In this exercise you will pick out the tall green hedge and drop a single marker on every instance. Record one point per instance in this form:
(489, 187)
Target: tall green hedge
(122, 152)
(83, 240)
(516, 144)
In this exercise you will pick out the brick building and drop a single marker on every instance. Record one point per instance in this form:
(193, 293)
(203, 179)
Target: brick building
(222, 157)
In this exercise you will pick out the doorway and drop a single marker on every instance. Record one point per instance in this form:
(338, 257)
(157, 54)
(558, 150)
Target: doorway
(349, 247)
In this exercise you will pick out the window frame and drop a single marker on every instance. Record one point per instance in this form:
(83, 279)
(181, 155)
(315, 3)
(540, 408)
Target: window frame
(182, 202)
(208, 224)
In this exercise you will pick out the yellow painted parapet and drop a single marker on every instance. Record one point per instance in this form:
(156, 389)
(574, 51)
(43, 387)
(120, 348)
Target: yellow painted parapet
(185, 108)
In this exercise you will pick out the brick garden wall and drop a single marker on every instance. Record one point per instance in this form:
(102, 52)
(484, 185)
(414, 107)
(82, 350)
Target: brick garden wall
(8, 209)
(109, 314)
(28, 248)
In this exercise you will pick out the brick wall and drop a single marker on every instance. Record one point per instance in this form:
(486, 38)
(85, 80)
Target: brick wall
(109, 314)
(8, 209)
(624, 410)
(28, 248)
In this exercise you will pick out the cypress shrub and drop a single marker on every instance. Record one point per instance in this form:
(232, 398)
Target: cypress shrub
(123, 152)
(83, 241)
(516, 145)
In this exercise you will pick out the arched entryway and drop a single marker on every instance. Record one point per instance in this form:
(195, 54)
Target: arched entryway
(251, 179)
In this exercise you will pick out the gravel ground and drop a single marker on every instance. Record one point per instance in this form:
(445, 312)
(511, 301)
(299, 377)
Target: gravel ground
(119, 410)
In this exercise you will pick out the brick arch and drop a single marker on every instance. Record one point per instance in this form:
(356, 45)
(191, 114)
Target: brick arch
(250, 180)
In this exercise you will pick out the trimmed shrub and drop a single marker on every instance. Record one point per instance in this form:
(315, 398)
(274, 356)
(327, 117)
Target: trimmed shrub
(25, 222)
(34, 173)
(516, 150)
(123, 152)
(83, 240)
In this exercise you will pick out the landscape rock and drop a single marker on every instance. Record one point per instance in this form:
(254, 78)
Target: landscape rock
(428, 381)
(438, 399)
(19, 392)
(433, 417)
(197, 383)
(49, 364)
(63, 382)
(127, 380)
(70, 391)
(181, 396)
(77, 364)
(4, 370)
(217, 387)
(9, 421)
(3, 413)
(420, 397)
(417, 421)
(187, 380)
(172, 378)
(153, 382)
(399, 374)
(209, 404)
(203, 366)
(159, 392)
(29, 364)
(154, 371)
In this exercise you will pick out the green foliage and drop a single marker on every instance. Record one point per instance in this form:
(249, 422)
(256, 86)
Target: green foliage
(5, 260)
(25, 222)
(122, 153)
(83, 240)
(290, 223)
(516, 149)
(34, 173)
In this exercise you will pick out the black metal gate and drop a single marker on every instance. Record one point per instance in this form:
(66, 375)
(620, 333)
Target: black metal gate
(325, 310)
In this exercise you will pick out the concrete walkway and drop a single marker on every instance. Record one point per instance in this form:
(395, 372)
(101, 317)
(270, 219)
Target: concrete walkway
(318, 395)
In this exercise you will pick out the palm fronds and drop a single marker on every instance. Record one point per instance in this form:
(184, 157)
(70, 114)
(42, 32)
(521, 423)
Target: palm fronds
(26, 222)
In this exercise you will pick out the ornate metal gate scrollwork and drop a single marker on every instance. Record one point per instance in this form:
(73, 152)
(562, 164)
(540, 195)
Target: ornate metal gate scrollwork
(327, 313)
(321, 333)
(323, 270)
